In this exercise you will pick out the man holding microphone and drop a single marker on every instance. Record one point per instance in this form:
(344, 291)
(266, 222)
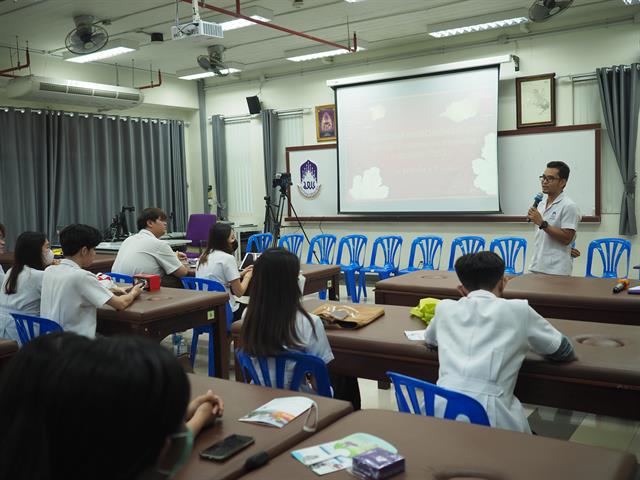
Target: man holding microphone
(556, 218)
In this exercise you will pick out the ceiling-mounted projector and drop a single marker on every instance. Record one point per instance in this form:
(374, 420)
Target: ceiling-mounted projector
(197, 30)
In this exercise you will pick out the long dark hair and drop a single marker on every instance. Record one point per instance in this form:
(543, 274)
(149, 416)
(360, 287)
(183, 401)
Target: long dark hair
(28, 253)
(218, 240)
(73, 407)
(274, 302)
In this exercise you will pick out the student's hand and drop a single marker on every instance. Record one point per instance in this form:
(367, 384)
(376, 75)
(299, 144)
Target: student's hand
(117, 291)
(181, 255)
(247, 271)
(534, 216)
(575, 253)
(461, 290)
(136, 290)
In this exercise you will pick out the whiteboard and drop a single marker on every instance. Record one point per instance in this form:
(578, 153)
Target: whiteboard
(522, 158)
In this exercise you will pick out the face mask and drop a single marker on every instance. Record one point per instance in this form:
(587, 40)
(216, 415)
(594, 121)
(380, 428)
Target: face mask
(48, 257)
(184, 455)
(301, 281)
(234, 245)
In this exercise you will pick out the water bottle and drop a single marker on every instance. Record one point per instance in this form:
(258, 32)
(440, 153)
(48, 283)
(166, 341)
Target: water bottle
(179, 344)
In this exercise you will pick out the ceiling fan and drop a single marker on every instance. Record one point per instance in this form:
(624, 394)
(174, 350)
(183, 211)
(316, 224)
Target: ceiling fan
(543, 10)
(87, 37)
(212, 62)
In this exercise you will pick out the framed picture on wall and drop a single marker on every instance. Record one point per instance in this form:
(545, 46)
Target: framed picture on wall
(536, 101)
(326, 123)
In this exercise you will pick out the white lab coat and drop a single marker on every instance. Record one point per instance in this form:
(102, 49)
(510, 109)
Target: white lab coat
(482, 341)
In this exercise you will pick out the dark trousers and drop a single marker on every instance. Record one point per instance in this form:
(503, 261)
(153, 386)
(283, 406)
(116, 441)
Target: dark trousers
(346, 388)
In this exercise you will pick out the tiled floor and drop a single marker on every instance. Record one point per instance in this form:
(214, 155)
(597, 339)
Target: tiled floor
(569, 425)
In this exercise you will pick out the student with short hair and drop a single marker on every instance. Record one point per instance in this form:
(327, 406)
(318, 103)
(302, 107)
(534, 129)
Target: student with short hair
(101, 409)
(218, 263)
(72, 295)
(144, 252)
(22, 286)
(275, 320)
(482, 340)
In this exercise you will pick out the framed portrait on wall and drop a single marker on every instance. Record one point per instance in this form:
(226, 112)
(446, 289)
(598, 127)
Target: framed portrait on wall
(326, 123)
(536, 101)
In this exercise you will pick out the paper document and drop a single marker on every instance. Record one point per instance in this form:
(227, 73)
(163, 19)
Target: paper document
(279, 411)
(415, 334)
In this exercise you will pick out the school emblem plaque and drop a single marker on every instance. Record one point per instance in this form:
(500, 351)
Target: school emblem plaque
(309, 186)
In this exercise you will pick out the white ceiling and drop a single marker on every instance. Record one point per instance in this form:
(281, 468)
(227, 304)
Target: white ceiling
(385, 24)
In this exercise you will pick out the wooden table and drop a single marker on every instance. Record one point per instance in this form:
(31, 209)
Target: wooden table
(240, 399)
(102, 263)
(436, 449)
(576, 298)
(605, 379)
(168, 310)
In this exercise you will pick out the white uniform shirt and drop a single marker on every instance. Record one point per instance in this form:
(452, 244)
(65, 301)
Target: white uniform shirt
(482, 341)
(144, 253)
(1, 274)
(25, 300)
(317, 345)
(551, 256)
(222, 268)
(71, 296)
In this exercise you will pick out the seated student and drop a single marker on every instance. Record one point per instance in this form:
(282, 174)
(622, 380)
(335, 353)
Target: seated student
(20, 292)
(144, 252)
(101, 409)
(275, 319)
(71, 295)
(482, 340)
(3, 235)
(218, 263)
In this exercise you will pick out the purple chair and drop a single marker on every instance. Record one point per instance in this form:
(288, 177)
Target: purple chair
(198, 231)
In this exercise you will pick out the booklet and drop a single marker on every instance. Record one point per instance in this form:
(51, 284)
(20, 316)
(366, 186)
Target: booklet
(415, 334)
(333, 456)
(279, 411)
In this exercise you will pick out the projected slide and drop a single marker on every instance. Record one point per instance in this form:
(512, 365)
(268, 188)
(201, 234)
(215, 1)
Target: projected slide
(424, 144)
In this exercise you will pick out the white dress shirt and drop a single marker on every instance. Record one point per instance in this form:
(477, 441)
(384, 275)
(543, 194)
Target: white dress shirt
(551, 256)
(71, 296)
(25, 300)
(144, 253)
(482, 341)
(222, 268)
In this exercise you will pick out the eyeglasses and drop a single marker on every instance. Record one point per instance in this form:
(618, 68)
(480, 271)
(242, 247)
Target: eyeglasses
(544, 178)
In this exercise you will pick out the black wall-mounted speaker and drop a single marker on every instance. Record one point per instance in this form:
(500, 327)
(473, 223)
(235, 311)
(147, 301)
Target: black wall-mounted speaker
(254, 105)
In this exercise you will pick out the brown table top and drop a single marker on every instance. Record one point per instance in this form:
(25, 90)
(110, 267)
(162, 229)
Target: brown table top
(313, 271)
(102, 263)
(542, 291)
(432, 447)
(164, 303)
(240, 399)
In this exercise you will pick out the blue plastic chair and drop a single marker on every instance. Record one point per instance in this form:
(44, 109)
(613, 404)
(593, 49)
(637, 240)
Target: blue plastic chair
(25, 325)
(391, 246)
(509, 249)
(120, 277)
(466, 244)
(323, 245)
(259, 242)
(611, 251)
(304, 363)
(457, 403)
(292, 242)
(430, 247)
(194, 283)
(355, 246)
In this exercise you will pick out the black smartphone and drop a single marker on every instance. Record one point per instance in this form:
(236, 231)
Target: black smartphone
(226, 448)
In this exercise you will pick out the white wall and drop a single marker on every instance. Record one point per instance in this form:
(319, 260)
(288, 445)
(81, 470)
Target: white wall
(569, 53)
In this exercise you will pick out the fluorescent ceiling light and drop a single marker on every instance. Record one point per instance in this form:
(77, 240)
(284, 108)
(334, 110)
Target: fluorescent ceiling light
(354, 1)
(111, 49)
(197, 73)
(631, 2)
(478, 24)
(256, 12)
(321, 51)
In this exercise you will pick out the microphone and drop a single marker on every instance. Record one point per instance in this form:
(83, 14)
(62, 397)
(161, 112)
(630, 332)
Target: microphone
(536, 201)
(622, 284)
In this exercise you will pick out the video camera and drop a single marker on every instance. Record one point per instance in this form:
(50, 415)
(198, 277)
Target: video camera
(282, 181)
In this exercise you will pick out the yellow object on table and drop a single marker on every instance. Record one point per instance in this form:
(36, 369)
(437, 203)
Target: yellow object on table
(426, 309)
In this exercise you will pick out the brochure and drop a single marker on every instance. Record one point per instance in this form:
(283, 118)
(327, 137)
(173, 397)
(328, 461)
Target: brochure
(333, 456)
(415, 334)
(279, 411)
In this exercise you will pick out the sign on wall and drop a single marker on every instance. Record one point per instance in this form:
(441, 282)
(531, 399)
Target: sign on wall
(314, 174)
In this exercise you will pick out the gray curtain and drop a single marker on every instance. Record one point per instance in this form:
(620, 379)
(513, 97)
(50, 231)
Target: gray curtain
(270, 147)
(620, 97)
(220, 166)
(23, 172)
(94, 165)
